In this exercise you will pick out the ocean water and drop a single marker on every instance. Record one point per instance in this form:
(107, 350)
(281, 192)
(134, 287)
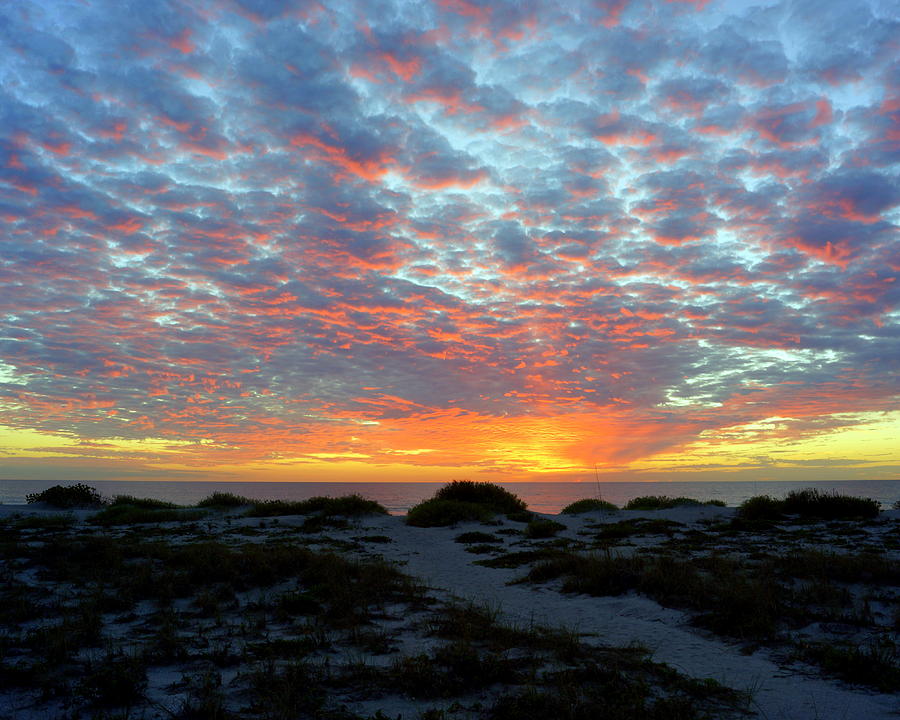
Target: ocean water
(544, 497)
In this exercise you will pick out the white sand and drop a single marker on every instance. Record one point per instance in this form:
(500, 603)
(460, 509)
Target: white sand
(780, 691)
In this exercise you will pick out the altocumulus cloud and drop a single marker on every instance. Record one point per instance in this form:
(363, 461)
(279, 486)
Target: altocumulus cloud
(283, 230)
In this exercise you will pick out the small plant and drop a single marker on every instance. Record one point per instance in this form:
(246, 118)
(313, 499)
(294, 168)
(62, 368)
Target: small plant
(119, 680)
(588, 505)
(542, 528)
(67, 496)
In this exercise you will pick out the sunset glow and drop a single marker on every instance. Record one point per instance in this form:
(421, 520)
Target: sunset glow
(276, 240)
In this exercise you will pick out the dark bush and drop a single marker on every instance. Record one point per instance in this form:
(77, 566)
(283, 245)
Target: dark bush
(348, 505)
(67, 496)
(492, 496)
(761, 507)
(811, 502)
(588, 505)
(438, 513)
(144, 503)
(542, 528)
(225, 500)
(664, 502)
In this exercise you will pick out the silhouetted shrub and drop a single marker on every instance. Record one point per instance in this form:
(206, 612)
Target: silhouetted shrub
(664, 502)
(132, 515)
(811, 502)
(761, 507)
(488, 494)
(438, 513)
(588, 505)
(542, 528)
(347, 505)
(67, 496)
(225, 500)
(145, 503)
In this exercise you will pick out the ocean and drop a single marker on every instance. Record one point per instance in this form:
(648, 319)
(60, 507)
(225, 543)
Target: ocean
(543, 497)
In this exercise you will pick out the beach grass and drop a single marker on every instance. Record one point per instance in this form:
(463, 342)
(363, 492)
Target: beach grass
(809, 503)
(67, 496)
(589, 505)
(467, 501)
(664, 502)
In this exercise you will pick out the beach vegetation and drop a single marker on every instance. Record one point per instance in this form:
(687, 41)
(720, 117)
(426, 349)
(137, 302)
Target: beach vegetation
(476, 537)
(143, 503)
(466, 501)
(224, 500)
(637, 527)
(542, 528)
(760, 508)
(56, 521)
(440, 513)
(117, 679)
(809, 503)
(875, 664)
(814, 503)
(127, 514)
(589, 505)
(345, 506)
(67, 496)
(664, 502)
(490, 495)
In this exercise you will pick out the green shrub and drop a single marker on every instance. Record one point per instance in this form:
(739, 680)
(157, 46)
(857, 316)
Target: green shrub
(67, 496)
(225, 500)
(588, 505)
(145, 503)
(542, 528)
(347, 505)
(664, 502)
(760, 507)
(131, 515)
(493, 496)
(476, 537)
(438, 513)
(811, 502)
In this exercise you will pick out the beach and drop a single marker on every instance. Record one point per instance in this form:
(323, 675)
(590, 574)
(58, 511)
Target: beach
(218, 614)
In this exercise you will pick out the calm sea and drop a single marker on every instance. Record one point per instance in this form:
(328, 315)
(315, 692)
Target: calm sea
(545, 497)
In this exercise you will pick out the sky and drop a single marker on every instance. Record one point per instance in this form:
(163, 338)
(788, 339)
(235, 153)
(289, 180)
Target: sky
(390, 240)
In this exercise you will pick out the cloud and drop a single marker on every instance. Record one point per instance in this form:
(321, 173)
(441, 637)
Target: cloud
(284, 231)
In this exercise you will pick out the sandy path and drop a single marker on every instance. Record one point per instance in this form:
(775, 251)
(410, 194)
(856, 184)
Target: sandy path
(779, 694)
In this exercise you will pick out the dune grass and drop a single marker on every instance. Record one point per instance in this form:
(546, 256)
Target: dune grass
(221, 500)
(128, 514)
(664, 502)
(809, 503)
(67, 496)
(467, 501)
(345, 506)
(588, 505)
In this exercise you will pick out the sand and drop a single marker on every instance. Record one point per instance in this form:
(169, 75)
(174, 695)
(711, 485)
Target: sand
(780, 687)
